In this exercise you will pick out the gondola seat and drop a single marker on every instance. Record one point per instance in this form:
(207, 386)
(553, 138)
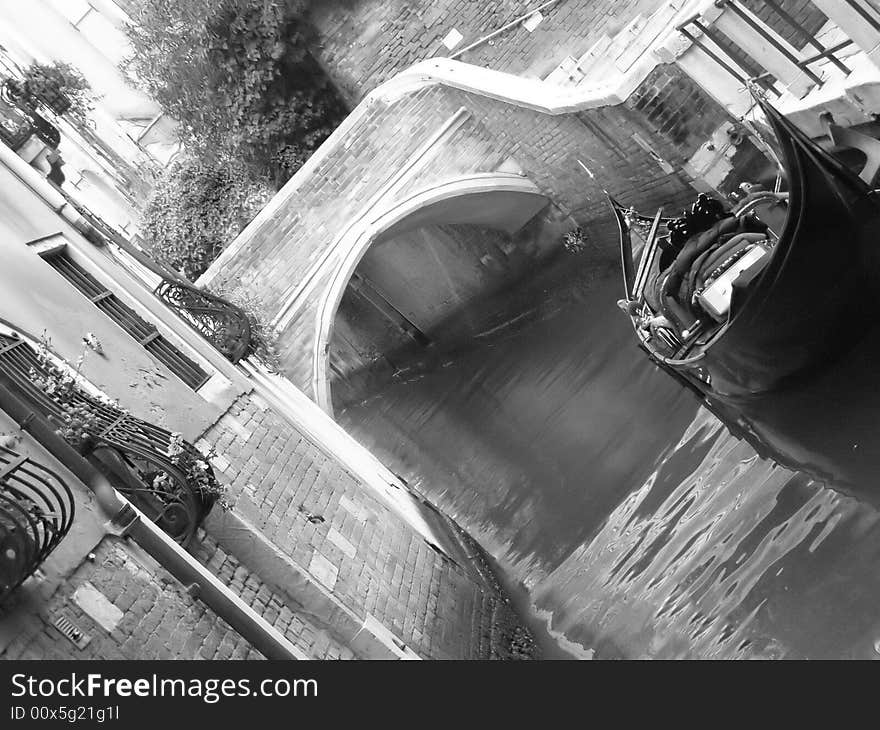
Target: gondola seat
(868, 146)
(701, 255)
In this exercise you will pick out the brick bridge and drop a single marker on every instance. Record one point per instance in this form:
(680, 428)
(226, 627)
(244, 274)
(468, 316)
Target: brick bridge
(447, 142)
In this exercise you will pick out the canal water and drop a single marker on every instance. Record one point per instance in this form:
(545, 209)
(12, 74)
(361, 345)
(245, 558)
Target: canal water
(636, 522)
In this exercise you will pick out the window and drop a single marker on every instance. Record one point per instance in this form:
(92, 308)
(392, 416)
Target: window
(144, 332)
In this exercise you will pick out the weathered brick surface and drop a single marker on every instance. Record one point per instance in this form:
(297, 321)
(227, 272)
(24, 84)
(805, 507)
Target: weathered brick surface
(676, 111)
(550, 149)
(311, 508)
(363, 43)
(160, 620)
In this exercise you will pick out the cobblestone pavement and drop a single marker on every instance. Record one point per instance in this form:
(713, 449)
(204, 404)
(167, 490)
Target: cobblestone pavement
(324, 520)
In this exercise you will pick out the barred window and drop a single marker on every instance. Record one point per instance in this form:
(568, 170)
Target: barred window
(142, 331)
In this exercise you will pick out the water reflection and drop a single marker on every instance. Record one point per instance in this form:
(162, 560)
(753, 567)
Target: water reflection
(638, 523)
(828, 425)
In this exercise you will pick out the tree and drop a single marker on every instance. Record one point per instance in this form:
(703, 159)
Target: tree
(198, 207)
(57, 85)
(238, 76)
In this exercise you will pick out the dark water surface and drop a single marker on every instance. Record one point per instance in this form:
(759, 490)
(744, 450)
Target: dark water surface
(638, 524)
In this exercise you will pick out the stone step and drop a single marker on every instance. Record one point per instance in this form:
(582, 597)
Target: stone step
(566, 73)
(572, 71)
(612, 56)
(640, 34)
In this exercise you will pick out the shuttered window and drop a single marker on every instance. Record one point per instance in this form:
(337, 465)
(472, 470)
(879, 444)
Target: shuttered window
(145, 333)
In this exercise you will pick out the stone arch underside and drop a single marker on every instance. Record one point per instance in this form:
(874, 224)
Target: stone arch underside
(504, 203)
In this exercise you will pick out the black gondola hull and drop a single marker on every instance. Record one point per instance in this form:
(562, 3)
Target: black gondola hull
(816, 294)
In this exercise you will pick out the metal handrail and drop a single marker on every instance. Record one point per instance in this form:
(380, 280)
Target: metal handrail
(766, 80)
(769, 37)
(828, 53)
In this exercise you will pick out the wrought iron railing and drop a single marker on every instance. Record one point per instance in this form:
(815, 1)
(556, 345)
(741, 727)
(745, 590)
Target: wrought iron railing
(802, 63)
(15, 126)
(165, 476)
(694, 29)
(697, 32)
(807, 37)
(220, 322)
(36, 512)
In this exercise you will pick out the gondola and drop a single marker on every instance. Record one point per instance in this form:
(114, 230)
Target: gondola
(789, 299)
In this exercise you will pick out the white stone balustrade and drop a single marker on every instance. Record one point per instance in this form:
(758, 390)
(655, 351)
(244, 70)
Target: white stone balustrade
(863, 32)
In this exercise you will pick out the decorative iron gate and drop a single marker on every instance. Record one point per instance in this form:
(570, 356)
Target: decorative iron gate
(36, 512)
(221, 323)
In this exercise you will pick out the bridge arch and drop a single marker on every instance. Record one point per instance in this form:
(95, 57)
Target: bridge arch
(504, 201)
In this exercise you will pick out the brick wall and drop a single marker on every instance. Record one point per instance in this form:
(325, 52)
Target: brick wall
(679, 114)
(327, 523)
(363, 43)
(550, 149)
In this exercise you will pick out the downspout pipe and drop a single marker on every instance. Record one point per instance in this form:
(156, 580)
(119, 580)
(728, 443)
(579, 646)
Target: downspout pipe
(126, 519)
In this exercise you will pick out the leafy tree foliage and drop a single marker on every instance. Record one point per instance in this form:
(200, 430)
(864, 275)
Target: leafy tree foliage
(197, 208)
(238, 76)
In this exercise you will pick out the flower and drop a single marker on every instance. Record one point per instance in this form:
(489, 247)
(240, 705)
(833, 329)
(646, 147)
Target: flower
(575, 241)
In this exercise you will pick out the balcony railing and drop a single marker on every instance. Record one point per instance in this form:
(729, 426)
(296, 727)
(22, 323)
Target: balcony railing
(821, 52)
(749, 47)
(163, 475)
(696, 31)
(221, 323)
(36, 512)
